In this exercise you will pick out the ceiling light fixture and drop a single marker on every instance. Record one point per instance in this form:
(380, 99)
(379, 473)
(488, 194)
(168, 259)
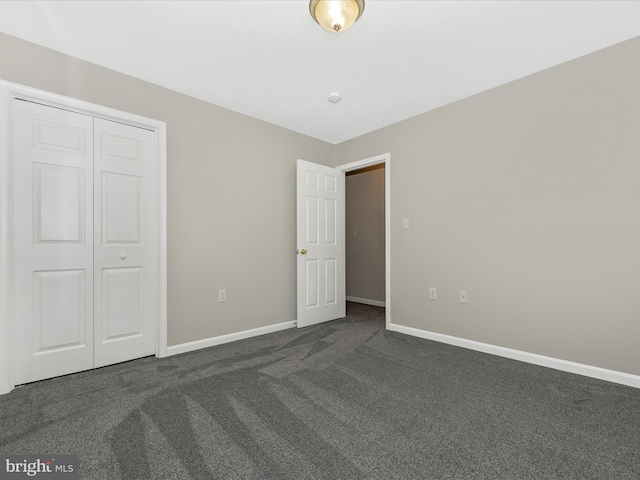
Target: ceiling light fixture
(336, 15)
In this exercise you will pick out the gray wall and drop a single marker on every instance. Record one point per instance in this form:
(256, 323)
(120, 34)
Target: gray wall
(364, 212)
(528, 197)
(231, 193)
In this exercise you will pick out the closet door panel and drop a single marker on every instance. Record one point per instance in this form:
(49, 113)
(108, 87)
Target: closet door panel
(121, 209)
(122, 302)
(52, 166)
(125, 226)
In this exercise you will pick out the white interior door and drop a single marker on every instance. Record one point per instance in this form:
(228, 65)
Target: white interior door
(125, 222)
(53, 241)
(320, 237)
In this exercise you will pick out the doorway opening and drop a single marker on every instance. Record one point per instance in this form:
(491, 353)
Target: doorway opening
(367, 232)
(365, 242)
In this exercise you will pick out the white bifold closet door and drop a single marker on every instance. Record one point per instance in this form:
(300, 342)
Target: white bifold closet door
(85, 241)
(125, 254)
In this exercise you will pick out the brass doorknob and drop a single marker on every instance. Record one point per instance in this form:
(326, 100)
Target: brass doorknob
(303, 252)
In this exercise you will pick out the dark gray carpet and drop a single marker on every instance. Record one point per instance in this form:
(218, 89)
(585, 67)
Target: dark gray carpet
(343, 400)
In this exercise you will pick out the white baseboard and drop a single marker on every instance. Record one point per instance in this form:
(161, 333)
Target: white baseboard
(366, 301)
(550, 362)
(230, 337)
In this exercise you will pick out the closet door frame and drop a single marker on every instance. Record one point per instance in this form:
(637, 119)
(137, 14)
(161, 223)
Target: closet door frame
(9, 93)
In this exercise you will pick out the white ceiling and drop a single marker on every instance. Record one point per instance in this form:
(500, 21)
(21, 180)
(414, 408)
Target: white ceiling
(270, 60)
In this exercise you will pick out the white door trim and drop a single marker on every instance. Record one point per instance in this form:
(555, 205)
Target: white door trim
(8, 92)
(367, 162)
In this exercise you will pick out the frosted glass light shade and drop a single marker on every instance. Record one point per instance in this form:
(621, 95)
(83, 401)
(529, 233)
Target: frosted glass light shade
(336, 15)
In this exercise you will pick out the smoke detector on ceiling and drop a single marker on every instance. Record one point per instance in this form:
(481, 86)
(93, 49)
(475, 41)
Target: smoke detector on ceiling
(334, 97)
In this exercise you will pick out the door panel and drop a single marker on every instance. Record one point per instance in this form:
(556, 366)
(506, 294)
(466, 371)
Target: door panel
(60, 317)
(313, 282)
(59, 203)
(320, 233)
(126, 219)
(115, 148)
(53, 241)
(121, 302)
(330, 281)
(330, 217)
(311, 221)
(121, 208)
(59, 136)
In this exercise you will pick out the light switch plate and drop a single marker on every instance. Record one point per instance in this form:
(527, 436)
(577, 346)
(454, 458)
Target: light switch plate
(463, 296)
